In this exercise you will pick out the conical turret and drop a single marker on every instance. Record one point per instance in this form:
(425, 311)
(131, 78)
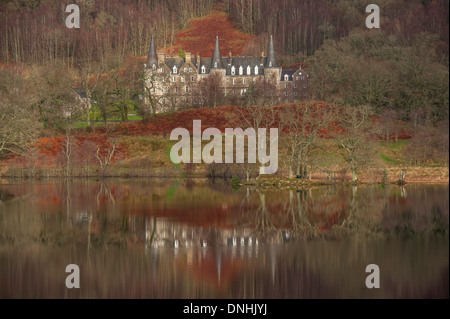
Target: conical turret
(271, 60)
(217, 58)
(152, 58)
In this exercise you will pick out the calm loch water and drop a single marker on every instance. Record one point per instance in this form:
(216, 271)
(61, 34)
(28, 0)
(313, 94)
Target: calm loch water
(202, 239)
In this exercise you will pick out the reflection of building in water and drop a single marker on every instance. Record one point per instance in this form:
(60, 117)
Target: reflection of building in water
(161, 232)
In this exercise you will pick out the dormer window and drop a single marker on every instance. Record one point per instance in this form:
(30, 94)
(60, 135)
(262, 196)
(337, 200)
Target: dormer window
(233, 70)
(154, 67)
(241, 70)
(256, 69)
(203, 69)
(270, 63)
(215, 64)
(174, 69)
(249, 70)
(286, 77)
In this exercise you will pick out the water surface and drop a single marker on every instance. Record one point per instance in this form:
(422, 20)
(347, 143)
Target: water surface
(202, 239)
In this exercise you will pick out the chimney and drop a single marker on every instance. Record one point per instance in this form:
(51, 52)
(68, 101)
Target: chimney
(161, 56)
(198, 60)
(262, 57)
(229, 57)
(188, 57)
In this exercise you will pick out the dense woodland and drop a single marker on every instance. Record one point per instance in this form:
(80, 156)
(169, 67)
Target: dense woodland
(398, 74)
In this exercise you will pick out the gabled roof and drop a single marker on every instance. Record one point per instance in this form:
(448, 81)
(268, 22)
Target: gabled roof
(290, 74)
(171, 62)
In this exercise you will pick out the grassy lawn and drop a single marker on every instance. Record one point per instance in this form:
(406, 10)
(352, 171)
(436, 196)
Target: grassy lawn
(392, 145)
(393, 152)
(83, 124)
(388, 159)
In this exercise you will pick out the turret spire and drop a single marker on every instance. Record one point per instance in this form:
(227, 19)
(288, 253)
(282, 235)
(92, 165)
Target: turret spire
(152, 58)
(271, 60)
(217, 58)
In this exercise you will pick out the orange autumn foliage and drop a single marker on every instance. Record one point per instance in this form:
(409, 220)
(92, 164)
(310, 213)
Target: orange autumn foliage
(200, 36)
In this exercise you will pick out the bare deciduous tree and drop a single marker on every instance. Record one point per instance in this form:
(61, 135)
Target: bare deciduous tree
(355, 139)
(302, 123)
(18, 124)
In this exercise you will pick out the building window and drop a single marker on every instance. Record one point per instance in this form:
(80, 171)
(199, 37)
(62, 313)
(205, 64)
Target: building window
(295, 85)
(203, 69)
(185, 70)
(256, 69)
(286, 93)
(243, 91)
(174, 69)
(192, 79)
(215, 64)
(295, 93)
(176, 90)
(233, 70)
(241, 70)
(182, 79)
(174, 79)
(187, 89)
(249, 70)
(160, 70)
(234, 81)
(244, 81)
(297, 78)
(270, 63)
(285, 86)
(286, 77)
(166, 89)
(303, 77)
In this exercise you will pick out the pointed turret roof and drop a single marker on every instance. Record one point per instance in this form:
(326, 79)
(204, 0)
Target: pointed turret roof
(217, 58)
(152, 57)
(271, 56)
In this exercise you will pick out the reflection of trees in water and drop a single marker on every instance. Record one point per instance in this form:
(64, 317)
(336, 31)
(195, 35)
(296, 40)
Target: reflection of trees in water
(297, 209)
(101, 212)
(220, 185)
(423, 211)
(293, 214)
(256, 217)
(105, 192)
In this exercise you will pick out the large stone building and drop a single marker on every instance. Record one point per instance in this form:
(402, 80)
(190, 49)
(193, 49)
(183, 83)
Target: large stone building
(175, 82)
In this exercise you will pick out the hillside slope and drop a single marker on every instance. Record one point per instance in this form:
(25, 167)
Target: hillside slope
(200, 36)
